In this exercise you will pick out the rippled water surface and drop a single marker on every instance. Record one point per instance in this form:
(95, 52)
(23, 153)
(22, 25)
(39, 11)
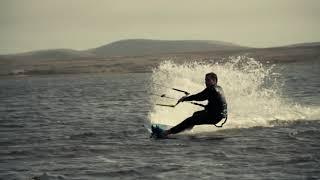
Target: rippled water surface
(92, 127)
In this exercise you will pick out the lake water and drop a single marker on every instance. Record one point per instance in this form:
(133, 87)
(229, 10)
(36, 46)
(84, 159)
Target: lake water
(92, 126)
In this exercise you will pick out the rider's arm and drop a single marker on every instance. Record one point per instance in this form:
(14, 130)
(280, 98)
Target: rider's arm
(201, 96)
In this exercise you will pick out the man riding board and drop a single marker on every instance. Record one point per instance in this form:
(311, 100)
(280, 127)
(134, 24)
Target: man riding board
(214, 111)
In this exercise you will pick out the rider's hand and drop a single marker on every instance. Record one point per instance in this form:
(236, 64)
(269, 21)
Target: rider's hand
(182, 99)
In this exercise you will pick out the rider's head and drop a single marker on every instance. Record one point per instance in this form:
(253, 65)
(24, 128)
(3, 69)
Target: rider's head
(211, 79)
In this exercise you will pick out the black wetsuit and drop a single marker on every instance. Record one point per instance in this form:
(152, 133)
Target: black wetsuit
(215, 110)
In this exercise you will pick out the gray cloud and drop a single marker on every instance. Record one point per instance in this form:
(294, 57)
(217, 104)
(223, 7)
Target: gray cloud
(80, 24)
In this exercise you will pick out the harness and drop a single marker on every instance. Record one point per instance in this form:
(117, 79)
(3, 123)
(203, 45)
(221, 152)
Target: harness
(220, 126)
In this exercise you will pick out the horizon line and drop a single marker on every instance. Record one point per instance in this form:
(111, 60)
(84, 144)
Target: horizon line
(51, 49)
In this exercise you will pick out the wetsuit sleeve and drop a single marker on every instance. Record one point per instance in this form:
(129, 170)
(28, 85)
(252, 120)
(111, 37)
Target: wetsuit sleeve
(201, 96)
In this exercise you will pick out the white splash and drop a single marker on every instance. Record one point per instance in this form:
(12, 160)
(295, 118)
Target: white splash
(252, 90)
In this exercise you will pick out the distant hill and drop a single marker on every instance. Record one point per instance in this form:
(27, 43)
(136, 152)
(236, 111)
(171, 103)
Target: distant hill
(305, 44)
(143, 47)
(130, 56)
(135, 47)
(54, 54)
(138, 47)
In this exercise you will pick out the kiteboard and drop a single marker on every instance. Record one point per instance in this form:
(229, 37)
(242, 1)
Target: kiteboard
(157, 131)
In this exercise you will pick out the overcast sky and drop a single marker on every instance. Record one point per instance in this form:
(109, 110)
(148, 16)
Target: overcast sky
(27, 25)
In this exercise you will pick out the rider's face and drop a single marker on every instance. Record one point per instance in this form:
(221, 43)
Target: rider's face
(210, 81)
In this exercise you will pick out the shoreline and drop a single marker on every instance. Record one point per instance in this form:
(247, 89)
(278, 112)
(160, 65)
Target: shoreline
(145, 64)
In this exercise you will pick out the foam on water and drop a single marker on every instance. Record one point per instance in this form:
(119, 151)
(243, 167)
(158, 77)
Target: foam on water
(253, 92)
